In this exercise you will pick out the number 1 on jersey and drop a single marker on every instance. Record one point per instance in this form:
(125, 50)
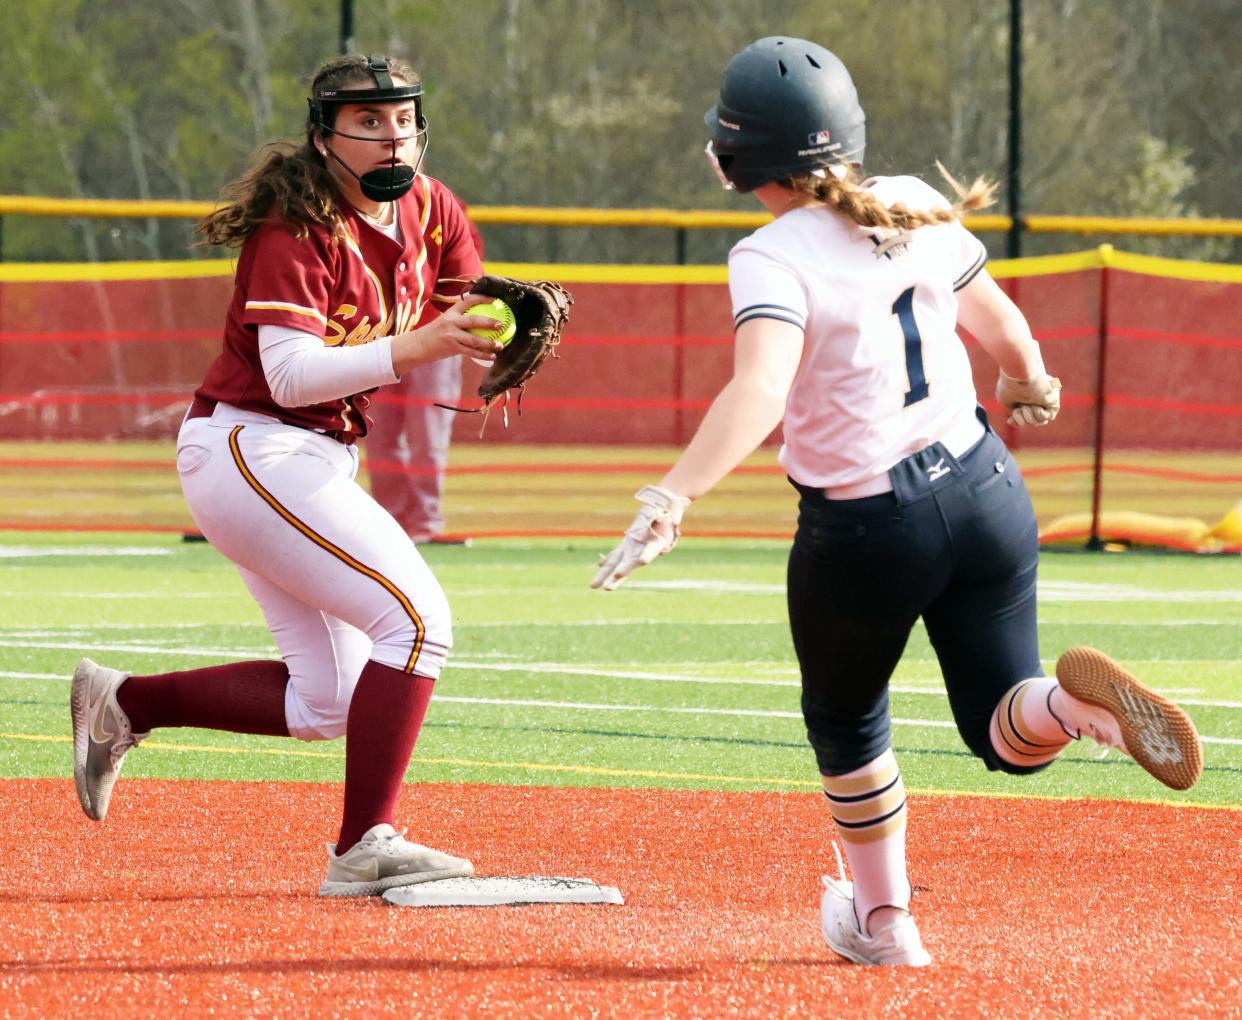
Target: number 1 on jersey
(903, 308)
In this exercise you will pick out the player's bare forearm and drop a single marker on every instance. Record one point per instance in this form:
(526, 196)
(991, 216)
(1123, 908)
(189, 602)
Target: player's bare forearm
(765, 359)
(1000, 327)
(741, 417)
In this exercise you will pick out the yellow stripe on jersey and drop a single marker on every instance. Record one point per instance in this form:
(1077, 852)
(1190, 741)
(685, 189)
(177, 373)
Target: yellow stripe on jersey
(323, 543)
(352, 244)
(452, 299)
(285, 306)
(423, 219)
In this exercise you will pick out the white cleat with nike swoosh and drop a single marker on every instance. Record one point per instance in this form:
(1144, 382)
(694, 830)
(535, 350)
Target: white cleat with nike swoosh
(101, 735)
(382, 859)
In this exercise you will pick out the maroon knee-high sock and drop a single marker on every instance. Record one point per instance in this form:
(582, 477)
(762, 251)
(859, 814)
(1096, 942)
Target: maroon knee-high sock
(241, 697)
(385, 716)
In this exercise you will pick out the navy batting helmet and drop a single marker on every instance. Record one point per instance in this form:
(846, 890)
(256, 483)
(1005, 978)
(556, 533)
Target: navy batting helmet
(787, 106)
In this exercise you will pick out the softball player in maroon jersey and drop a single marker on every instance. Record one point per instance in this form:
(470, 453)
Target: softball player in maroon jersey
(352, 271)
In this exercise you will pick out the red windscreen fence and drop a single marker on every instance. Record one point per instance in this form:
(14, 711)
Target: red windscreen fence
(92, 360)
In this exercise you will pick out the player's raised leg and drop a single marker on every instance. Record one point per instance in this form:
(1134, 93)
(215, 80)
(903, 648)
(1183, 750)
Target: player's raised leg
(113, 712)
(1094, 697)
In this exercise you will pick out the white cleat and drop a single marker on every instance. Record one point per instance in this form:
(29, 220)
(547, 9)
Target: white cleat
(1111, 707)
(897, 945)
(102, 735)
(382, 859)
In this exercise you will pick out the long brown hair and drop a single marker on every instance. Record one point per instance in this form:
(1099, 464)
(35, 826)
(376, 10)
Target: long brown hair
(289, 176)
(848, 197)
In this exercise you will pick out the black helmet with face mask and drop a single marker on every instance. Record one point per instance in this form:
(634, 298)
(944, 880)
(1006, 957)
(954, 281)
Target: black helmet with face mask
(389, 183)
(787, 107)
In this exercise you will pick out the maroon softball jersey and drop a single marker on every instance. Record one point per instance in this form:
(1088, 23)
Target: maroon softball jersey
(353, 292)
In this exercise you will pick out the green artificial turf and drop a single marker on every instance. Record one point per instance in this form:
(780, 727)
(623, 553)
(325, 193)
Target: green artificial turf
(684, 677)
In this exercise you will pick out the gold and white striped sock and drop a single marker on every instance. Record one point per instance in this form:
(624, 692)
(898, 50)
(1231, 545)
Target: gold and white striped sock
(1024, 730)
(869, 808)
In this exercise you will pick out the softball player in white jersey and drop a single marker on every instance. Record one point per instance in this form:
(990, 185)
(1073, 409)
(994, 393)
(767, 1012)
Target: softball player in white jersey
(845, 310)
(345, 248)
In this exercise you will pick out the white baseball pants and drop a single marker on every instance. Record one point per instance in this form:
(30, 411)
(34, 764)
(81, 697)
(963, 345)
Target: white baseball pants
(338, 580)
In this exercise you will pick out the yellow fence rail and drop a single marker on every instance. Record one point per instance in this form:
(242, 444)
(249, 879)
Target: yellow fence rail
(1103, 257)
(25, 205)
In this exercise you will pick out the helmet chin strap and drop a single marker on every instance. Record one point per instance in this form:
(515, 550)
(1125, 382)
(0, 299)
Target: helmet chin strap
(385, 184)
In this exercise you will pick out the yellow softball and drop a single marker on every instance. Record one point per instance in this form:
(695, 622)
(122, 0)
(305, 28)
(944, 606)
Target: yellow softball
(502, 313)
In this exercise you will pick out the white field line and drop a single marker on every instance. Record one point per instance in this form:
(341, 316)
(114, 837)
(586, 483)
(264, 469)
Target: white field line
(78, 630)
(586, 706)
(676, 678)
(740, 712)
(1089, 591)
(25, 551)
(553, 668)
(629, 621)
(749, 713)
(135, 595)
(610, 622)
(716, 681)
(82, 636)
(212, 653)
(1049, 591)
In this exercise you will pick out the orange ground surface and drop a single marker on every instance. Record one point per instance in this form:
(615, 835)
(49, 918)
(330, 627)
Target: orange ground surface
(196, 899)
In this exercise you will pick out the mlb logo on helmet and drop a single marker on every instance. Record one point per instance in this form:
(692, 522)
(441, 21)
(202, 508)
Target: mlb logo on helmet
(818, 138)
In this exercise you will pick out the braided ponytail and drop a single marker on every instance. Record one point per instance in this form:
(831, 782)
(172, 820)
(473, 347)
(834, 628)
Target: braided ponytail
(846, 195)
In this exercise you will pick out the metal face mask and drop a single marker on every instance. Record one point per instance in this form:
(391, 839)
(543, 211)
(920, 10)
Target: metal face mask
(384, 184)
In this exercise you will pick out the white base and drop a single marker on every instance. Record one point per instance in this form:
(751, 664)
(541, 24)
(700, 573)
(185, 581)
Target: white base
(500, 891)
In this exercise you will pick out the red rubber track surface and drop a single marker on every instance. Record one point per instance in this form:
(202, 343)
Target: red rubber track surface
(197, 898)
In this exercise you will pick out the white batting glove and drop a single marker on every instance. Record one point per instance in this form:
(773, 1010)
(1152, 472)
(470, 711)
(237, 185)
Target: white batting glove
(653, 533)
(1031, 402)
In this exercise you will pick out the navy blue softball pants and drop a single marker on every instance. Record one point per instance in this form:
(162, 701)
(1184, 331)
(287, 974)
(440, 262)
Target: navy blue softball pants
(958, 548)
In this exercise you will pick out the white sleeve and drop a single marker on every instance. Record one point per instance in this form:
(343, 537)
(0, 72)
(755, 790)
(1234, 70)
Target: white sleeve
(967, 252)
(301, 371)
(762, 288)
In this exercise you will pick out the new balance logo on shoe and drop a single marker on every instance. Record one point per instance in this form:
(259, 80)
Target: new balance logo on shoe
(1160, 748)
(1151, 728)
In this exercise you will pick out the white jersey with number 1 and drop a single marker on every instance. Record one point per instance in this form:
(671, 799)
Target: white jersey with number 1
(883, 372)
